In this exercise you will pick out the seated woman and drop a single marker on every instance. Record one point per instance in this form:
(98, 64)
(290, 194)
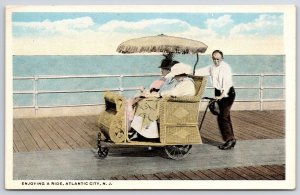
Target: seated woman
(147, 110)
(165, 69)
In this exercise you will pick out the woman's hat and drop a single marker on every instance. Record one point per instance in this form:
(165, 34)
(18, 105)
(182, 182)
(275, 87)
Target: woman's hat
(179, 69)
(167, 63)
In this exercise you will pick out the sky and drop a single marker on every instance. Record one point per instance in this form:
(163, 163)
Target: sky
(100, 33)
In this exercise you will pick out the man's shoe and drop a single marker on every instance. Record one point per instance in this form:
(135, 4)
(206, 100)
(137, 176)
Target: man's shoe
(228, 145)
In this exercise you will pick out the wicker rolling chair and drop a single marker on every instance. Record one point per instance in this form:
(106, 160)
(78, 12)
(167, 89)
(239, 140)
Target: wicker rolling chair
(178, 122)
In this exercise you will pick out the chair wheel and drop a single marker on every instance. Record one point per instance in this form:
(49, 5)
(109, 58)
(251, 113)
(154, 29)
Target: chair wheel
(177, 152)
(102, 152)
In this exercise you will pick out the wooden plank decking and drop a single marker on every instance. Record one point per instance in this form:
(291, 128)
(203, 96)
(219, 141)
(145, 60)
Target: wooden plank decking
(265, 172)
(70, 133)
(79, 132)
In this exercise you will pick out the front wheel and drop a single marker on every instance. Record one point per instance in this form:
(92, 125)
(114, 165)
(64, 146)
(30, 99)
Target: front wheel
(102, 152)
(177, 152)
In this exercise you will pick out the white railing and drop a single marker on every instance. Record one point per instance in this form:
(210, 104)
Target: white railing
(120, 88)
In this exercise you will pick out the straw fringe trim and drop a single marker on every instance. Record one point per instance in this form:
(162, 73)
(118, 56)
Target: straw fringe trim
(163, 48)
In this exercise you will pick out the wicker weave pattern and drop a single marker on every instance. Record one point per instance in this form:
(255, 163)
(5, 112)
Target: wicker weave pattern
(112, 120)
(182, 135)
(181, 113)
(179, 116)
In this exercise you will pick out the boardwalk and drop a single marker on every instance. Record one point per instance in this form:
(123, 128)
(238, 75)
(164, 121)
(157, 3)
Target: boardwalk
(130, 163)
(43, 137)
(79, 132)
(266, 172)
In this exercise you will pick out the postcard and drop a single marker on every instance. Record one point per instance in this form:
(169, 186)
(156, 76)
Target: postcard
(150, 97)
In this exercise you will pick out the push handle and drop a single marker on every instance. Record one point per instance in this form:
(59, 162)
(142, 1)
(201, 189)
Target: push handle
(211, 100)
(208, 98)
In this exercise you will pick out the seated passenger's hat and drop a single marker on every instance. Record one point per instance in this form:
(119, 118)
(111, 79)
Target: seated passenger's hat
(179, 69)
(167, 63)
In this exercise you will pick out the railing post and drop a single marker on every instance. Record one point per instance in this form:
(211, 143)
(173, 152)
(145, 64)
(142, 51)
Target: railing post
(261, 90)
(35, 97)
(121, 84)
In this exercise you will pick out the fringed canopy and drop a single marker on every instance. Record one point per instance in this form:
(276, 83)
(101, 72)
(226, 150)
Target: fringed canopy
(162, 43)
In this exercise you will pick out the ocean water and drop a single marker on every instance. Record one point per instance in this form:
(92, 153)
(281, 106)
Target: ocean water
(29, 66)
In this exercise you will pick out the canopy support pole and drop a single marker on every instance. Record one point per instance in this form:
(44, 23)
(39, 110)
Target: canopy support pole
(196, 64)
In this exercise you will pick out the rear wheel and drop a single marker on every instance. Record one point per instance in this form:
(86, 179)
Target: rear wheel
(177, 152)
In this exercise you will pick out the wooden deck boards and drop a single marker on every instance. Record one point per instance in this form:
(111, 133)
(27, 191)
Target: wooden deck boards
(26, 136)
(64, 134)
(236, 173)
(78, 132)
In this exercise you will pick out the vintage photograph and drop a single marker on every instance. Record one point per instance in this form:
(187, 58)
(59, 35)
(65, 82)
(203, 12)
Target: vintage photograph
(150, 97)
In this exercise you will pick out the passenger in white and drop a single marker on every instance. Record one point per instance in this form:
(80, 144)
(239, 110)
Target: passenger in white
(177, 83)
(146, 114)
